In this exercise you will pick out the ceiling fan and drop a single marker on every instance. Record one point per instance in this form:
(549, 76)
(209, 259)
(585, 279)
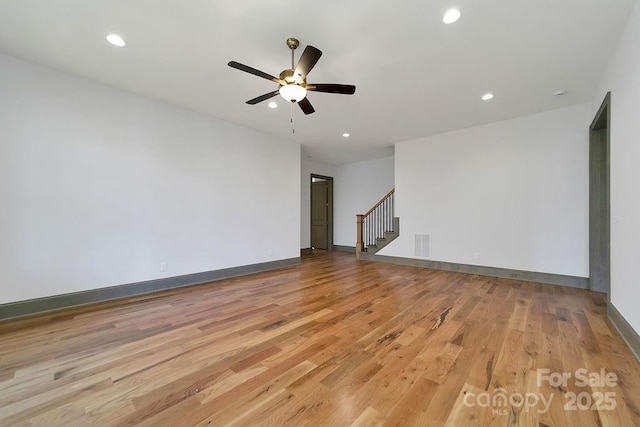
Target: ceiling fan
(292, 82)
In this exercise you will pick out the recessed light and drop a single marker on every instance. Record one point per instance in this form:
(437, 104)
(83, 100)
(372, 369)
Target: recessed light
(346, 135)
(273, 105)
(115, 40)
(487, 96)
(451, 16)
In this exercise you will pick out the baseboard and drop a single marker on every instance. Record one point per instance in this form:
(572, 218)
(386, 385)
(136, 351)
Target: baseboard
(57, 302)
(306, 251)
(341, 248)
(505, 273)
(628, 334)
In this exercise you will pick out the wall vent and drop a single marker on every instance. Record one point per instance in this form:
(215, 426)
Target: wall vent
(423, 245)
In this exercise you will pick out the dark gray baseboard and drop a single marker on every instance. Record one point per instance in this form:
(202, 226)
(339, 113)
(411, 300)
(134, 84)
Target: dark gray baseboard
(56, 302)
(306, 251)
(505, 273)
(341, 248)
(629, 335)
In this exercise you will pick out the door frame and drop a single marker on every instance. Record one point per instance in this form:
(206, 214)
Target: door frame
(329, 179)
(599, 199)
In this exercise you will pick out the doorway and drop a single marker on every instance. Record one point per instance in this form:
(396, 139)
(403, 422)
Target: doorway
(321, 212)
(599, 199)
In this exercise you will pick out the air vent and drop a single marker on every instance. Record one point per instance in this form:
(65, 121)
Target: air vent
(423, 245)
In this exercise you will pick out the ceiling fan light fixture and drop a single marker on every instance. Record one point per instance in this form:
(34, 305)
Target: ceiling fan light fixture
(293, 81)
(293, 92)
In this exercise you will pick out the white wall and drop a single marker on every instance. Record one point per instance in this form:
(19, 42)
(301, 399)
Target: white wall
(515, 192)
(307, 168)
(100, 186)
(622, 78)
(357, 187)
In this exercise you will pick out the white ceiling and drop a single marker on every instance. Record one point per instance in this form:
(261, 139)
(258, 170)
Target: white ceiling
(415, 76)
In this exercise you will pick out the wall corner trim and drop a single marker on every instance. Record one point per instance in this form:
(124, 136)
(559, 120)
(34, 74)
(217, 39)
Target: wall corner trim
(628, 334)
(56, 302)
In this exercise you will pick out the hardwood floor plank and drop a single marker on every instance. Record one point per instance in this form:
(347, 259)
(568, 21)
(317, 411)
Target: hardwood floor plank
(462, 414)
(369, 417)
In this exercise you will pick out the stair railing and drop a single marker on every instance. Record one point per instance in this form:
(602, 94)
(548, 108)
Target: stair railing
(373, 224)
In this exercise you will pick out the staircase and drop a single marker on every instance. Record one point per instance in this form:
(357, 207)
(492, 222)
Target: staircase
(378, 227)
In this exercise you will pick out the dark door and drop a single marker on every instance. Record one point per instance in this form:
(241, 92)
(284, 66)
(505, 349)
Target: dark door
(599, 211)
(320, 214)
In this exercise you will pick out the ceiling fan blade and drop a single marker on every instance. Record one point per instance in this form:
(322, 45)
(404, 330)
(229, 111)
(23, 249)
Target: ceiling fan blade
(332, 88)
(247, 69)
(306, 106)
(263, 97)
(308, 60)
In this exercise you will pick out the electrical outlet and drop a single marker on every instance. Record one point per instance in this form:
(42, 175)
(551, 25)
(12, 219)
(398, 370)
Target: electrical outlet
(476, 255)
(164, 266)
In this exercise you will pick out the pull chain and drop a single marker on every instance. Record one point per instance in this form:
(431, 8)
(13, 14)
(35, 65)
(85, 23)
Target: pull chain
(293, 128)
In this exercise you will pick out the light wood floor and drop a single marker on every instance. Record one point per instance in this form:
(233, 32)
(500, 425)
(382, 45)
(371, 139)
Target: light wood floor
(334, 342)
